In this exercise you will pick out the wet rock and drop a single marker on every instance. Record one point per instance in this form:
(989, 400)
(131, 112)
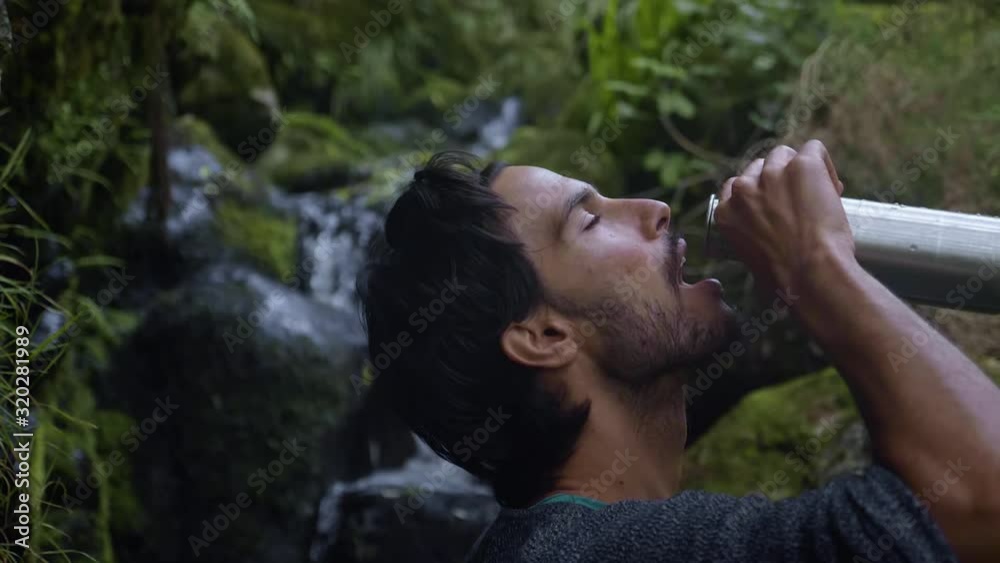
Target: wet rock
(222, 77)
(781, 440)
(266, 237)
(426, 511)
(259, 374)
(313, 152)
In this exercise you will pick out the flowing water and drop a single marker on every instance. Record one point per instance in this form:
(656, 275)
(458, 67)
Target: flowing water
(333, 233)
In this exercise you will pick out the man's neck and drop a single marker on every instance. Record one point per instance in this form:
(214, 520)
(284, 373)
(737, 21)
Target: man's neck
(631, 448)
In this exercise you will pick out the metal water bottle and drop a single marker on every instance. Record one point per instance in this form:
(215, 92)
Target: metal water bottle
(940, 258)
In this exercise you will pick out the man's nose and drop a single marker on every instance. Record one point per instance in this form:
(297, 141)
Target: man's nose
(656, 218)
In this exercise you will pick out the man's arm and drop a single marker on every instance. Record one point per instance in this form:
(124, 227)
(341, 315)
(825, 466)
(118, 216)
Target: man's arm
(935, 418)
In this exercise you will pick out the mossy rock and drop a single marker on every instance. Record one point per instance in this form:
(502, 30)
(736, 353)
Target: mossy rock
(190, 130)
(223, 77)
(314, 152)
(388, 176)
(785, 439)
(87, 471)
(267, 238)
(125, 514)
(781, 440)
(251, 364)
(569, 152)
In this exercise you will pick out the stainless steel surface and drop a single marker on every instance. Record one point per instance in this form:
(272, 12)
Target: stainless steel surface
(928, 256)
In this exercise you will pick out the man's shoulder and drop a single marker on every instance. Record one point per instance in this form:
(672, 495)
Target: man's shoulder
(575, 532)
(870, 515)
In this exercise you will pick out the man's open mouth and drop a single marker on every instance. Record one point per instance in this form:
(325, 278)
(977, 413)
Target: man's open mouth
(680, 249)
(686, 279)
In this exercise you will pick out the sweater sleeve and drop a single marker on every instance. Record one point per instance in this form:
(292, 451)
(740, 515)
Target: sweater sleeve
(866, 518)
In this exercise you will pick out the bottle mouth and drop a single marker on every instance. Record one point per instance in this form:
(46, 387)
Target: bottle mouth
(714, 245)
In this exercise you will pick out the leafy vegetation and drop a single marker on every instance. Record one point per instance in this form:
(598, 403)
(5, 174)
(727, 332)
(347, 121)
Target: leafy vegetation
(642, 97)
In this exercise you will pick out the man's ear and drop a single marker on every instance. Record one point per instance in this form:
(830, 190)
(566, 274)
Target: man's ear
(544, 340)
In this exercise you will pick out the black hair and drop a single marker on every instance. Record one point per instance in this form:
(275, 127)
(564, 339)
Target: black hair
(440, 364)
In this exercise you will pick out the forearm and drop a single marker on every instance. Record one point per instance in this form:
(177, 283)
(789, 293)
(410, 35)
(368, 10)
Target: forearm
(928, 408)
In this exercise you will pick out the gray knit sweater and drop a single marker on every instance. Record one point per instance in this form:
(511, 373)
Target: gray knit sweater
(866, 518)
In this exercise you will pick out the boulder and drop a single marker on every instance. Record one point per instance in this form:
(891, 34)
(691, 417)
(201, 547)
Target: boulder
(223, 78)
(781, 440)
(313, 152)
(256, 376)
(425, 511)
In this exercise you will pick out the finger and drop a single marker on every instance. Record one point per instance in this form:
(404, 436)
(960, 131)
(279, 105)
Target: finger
(744, 183)
(754, 169)
(816, 148)
(726, 191)
(751, 174)
(776, 161)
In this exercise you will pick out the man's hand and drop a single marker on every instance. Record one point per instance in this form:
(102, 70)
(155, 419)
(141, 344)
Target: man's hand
(783, 213)
(926, 415)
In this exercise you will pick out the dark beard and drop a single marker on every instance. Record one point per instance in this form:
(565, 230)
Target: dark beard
(640, 340)
(639, 348)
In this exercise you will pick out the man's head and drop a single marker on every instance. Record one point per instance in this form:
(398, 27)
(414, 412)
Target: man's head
(516, 296)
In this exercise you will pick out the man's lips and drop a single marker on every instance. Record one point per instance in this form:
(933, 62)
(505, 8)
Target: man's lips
(682, 259)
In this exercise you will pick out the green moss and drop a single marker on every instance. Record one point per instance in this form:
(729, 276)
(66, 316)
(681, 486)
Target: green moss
(195, 131)
(192, 130)
(775, 440)
(569, 152)
(269, 239)
(310, 145)
(224, 77)
(387, 177)
(122, 506)
(991, 366)
(232, 61)
(67, 441)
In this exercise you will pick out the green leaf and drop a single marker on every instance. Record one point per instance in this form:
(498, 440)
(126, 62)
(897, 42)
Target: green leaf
(764, 62)
(653, 160)
(626, 88)
(659, 69)
(673, 169)
(672, 102)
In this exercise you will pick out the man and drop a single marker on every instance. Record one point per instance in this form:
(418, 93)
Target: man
(546, 331)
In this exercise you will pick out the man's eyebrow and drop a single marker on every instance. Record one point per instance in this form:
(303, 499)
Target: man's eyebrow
(583, 195)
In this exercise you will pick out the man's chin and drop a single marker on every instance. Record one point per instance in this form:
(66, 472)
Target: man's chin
(714, 324)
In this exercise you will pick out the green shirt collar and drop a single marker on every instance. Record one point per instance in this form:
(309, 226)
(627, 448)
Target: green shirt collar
(574, 499)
